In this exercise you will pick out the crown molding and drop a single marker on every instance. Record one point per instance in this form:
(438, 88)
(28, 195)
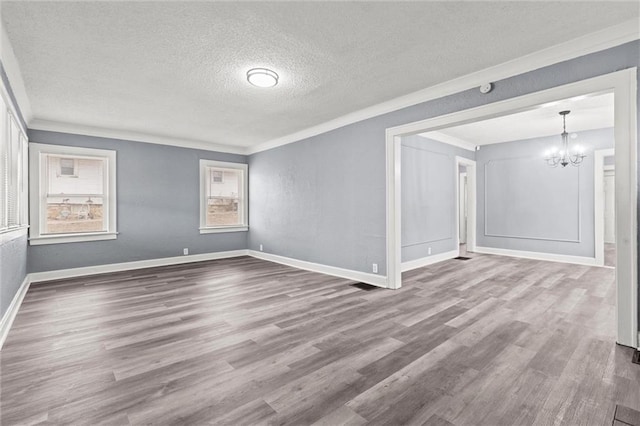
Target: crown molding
(11, 67)
(451, 140)
(590, 43)
(76, 129)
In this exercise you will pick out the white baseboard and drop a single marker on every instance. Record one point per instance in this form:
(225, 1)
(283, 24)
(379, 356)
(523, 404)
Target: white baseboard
(376, 280)
(429, 260)
(36, 277)
(12, 311)
(578, 260)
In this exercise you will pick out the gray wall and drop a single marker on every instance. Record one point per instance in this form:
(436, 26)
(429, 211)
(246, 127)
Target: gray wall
(429, 196)
(13, 254)
(523, 204)
(319, 200)
(13, 269)
(291, 184)
(158, 199)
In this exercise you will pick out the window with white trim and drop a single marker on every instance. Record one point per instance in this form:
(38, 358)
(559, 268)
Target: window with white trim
(223, 197)
(13, 168)
(73, 194)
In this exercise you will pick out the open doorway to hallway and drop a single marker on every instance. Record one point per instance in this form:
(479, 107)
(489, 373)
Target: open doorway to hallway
(532, 209)
(463, 214)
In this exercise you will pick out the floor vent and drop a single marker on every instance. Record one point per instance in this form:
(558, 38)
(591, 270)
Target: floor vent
(462, 258)
(636, 357)
(365, 287)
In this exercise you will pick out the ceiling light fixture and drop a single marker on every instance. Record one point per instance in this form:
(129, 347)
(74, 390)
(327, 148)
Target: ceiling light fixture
(564, 157)
(262, 77)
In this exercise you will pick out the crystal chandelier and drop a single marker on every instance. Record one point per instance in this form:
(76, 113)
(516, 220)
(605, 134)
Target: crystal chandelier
(564, 157)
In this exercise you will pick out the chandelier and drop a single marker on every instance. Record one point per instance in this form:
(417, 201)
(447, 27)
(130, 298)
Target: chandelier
(564, 157)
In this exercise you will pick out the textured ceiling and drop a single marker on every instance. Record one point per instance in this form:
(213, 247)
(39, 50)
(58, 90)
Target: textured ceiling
(587, 113)
(177, 69)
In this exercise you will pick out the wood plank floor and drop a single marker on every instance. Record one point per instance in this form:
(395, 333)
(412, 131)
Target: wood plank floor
(487, 341)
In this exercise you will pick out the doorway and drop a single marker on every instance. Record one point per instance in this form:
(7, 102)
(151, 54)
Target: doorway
(623, 85)
(466, 205)
(605, 207)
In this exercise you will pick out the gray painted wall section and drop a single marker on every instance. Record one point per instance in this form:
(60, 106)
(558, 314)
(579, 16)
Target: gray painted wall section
(429, 196)
(288, 181)
(319, 200)
(158, 199)
(13, 269)
(523, 204)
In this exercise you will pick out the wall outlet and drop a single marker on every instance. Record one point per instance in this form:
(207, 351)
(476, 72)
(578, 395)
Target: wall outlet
(260, 247)
(375, 268)
(185, 251)
(429, 250)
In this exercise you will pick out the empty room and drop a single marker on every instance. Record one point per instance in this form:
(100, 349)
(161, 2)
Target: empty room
(319, 213)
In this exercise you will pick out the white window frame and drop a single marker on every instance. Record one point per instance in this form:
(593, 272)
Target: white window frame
(38, 186)
(16, 169)
(243, 204)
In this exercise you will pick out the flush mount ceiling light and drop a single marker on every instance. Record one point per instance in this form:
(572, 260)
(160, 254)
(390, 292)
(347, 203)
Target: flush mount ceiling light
(262, 77)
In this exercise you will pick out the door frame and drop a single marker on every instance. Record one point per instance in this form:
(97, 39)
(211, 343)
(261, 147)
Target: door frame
(624, 86)
(471, 202)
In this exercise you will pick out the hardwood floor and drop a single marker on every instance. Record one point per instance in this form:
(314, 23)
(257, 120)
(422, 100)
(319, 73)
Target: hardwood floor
(487, 341)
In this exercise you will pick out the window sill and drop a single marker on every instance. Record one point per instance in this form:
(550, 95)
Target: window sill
(224, 229)
(72, 238)
(7, 235)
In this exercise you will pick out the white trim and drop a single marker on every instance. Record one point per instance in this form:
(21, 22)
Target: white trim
(72, 238)
(221, 229)
(598, 201)
(623, 83)
(430, 260)
(551, 257)
(590, 43)
(393, 171)
(10, 315)
(38, 183)
(449, 140)
(129, 136)
(626, 203)
(471, 202)
(7, 235)
(37, 277)
(376, 280)
(12, 69)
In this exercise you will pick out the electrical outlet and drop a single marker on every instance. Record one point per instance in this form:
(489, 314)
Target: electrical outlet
(375, 268)
(185, 251)
(260, 247)
(429, 251)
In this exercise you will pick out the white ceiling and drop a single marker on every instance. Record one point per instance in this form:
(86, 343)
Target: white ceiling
(177, 69)
(587, 113)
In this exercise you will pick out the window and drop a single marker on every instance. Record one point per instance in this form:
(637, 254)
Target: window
(223, 192)
(68, 167)
(71, 210)
(13, 157)
(217, 176)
